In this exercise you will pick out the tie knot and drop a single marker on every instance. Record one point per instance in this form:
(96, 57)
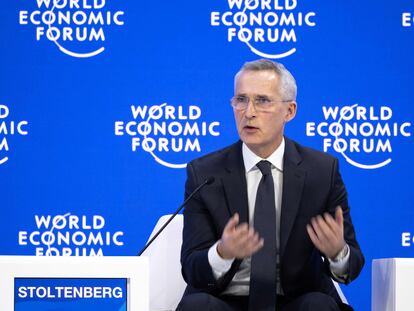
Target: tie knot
(264, 167)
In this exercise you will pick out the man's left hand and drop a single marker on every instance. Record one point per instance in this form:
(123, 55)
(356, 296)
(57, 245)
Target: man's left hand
(327, 233)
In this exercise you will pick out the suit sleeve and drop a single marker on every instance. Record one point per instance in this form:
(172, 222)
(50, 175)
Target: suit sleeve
(199, 235)
(338, 197)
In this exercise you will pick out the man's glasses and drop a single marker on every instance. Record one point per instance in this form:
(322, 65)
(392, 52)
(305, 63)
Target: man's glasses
(261, 103)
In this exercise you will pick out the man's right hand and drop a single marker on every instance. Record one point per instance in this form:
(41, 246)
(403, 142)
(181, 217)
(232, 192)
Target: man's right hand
(238, 241)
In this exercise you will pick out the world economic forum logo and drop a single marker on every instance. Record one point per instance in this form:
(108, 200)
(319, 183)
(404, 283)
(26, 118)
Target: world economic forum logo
(70, 235)
(269, 28)
(78, 28)
(8, 129)
(363, 135)
(172, 135)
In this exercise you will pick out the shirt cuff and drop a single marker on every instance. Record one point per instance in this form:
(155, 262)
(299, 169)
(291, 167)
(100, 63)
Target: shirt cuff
(219, 265)
(340, 267)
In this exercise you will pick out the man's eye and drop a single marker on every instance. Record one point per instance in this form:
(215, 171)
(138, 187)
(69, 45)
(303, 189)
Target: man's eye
(262, 100)
(241, 99)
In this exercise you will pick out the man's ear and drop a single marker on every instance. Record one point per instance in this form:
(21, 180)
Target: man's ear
(291, 111)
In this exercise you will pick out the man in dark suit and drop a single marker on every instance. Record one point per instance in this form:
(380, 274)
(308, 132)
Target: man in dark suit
(275, 226)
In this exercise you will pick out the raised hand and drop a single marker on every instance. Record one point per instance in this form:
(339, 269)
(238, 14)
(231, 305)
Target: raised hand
(327, 233)
(238, 240)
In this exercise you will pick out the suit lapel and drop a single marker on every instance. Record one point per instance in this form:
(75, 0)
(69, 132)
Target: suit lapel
(234, 183)
(235, 190)
(293, 182)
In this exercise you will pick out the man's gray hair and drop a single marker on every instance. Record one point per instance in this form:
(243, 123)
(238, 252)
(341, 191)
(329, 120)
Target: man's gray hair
(288, 88)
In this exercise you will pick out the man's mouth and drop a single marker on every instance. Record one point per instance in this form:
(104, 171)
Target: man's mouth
(250, 128)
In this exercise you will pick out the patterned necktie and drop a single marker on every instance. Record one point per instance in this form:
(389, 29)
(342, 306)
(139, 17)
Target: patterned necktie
(262, 295)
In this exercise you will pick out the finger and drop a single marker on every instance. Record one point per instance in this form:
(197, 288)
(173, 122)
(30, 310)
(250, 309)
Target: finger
(251, 249)
(249, 244)
(329, 234)
(257, 246)
(321, 229)
(327, 238)
(331, 222)
(251, 234)
(252, 239)
(240, 234)
(313, 236)
(242, 229)
(241, 240)
(339, 217)
(256, 237)
(337, 228)
(328, 230)
(232, 223)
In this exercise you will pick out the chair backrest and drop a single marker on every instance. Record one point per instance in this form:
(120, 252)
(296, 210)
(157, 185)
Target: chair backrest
(338, 289)
(340, 293)
(166, 283)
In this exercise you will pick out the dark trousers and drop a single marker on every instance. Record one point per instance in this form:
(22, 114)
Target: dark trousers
(314, 301)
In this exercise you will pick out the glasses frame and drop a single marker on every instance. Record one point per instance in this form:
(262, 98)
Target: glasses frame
(254, 102)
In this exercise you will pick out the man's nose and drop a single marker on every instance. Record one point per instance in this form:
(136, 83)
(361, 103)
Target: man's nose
(250, 110)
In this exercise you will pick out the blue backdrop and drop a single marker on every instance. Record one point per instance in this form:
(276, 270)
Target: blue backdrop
(103, 102)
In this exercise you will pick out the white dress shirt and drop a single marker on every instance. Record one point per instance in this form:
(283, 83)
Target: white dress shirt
(240, 282)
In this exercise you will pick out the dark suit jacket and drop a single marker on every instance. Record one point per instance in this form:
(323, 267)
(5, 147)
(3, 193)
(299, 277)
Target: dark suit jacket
(312, 186)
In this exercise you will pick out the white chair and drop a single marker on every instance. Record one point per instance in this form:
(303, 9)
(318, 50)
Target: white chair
(340, 293)
(392, 279)
(166, 283)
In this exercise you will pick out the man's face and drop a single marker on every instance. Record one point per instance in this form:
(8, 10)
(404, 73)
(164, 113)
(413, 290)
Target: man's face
(262, 131)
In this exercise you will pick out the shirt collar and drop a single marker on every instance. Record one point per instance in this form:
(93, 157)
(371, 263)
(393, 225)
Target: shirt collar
(250, 159)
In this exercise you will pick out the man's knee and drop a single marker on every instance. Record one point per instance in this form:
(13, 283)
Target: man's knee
(314, 301)
(193, 302)
(202, 302)
(320, 302)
